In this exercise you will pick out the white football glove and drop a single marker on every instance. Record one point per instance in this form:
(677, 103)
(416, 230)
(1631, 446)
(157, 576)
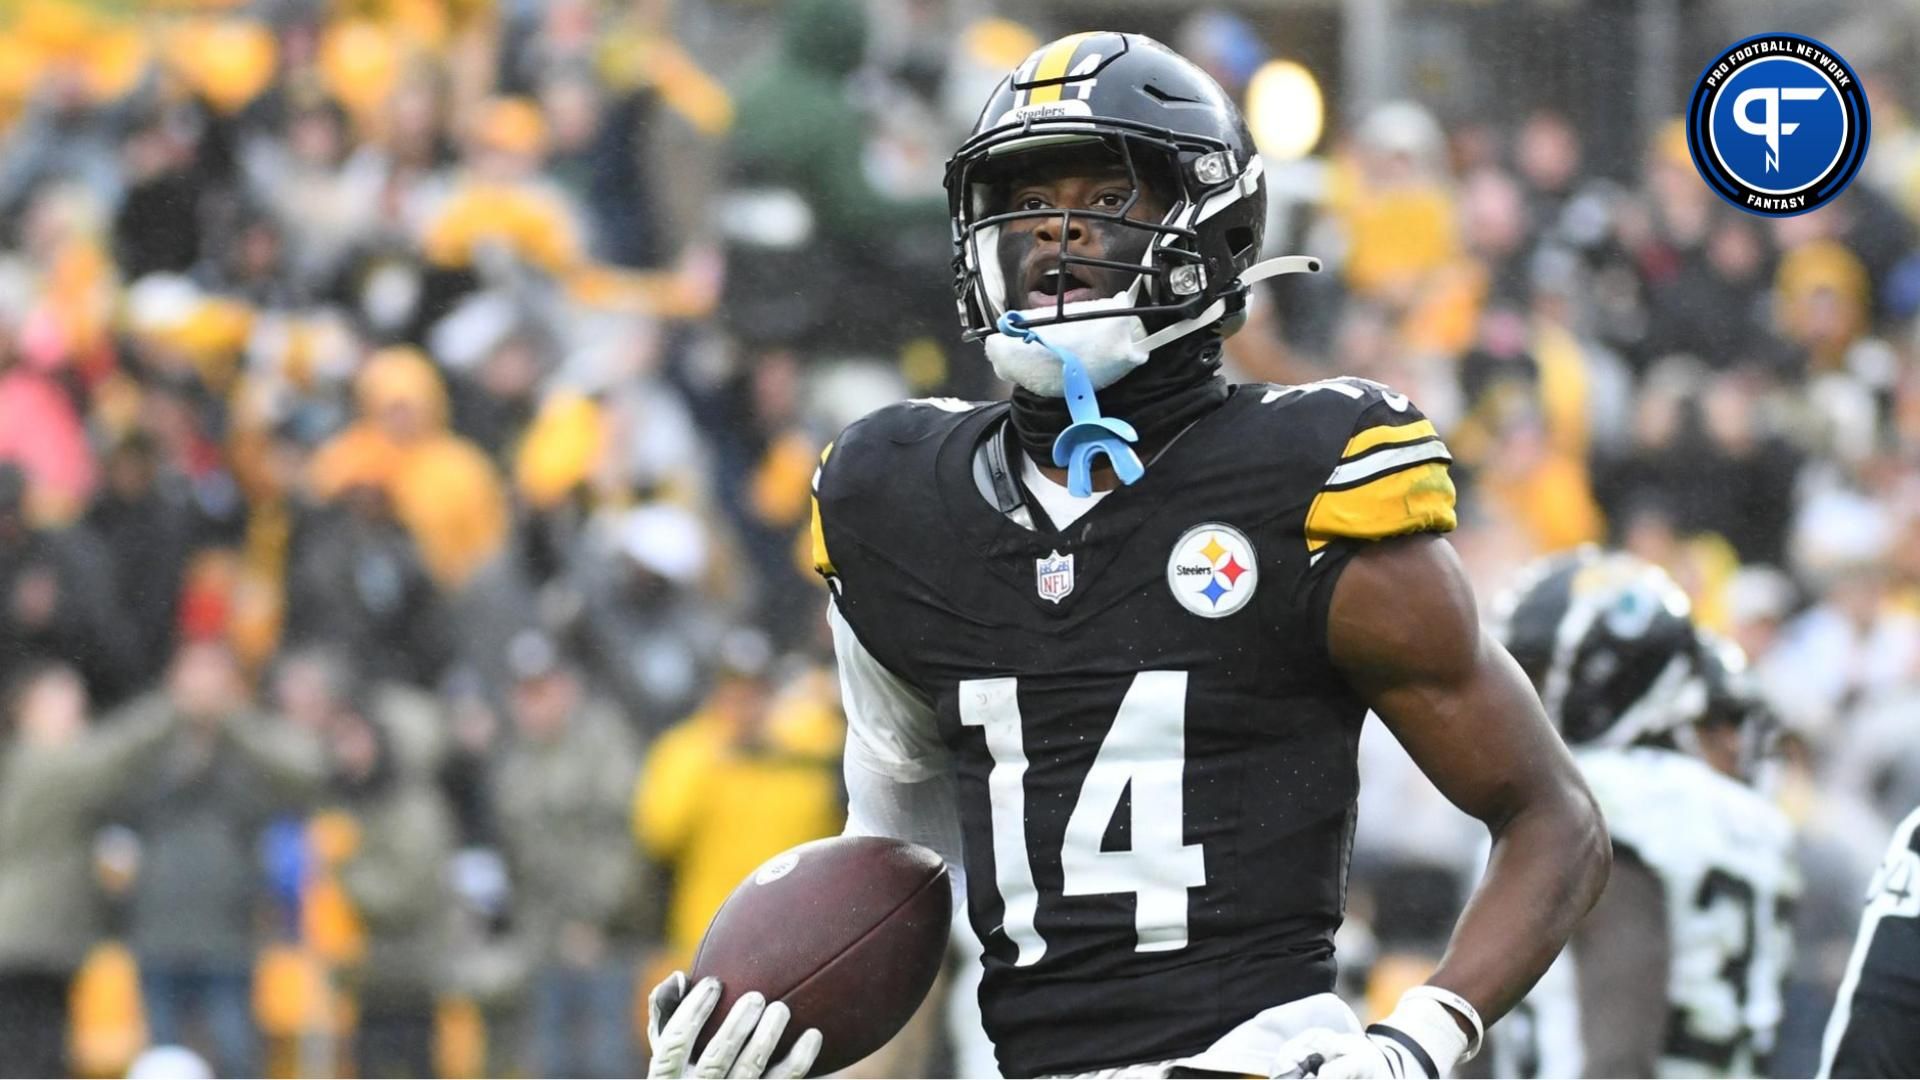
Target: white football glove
(1340, 1055)
(741, 1048)
(1420, 1038)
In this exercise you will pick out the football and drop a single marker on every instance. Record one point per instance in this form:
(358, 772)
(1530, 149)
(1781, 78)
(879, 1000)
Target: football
(848, 931)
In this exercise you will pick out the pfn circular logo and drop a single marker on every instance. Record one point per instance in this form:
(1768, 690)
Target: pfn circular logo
(1778, 125)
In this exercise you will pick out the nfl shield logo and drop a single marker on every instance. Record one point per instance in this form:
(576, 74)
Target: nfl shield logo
(1053, 576)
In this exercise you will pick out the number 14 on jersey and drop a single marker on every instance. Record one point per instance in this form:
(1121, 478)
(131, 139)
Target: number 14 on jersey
(1144, 750)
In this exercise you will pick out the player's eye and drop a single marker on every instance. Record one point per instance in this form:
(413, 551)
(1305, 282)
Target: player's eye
(1111, 199)
(1029, 202)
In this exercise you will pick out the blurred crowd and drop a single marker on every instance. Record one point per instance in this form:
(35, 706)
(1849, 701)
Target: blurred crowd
(407, 410)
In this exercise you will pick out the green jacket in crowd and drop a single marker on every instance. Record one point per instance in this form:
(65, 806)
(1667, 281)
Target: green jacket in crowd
(199, 810)
(53, 800)
(396, 880)
(795, 126)
(563, 806)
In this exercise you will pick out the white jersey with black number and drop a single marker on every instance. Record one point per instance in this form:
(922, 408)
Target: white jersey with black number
(1723, 855)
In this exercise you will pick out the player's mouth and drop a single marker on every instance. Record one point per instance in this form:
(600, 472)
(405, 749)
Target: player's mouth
(1051, 285)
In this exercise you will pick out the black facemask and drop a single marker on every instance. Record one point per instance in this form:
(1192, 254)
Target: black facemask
(1116, 242)
(1177, 385)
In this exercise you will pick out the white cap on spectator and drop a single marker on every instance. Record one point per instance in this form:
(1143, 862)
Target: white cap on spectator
(668, 540)
(1758, 594)
(1402, 127)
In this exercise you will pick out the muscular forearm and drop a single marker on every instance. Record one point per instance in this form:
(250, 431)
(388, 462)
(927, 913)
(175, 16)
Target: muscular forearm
(1550, 861)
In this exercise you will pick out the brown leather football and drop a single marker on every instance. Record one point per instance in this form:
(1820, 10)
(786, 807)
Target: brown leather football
(848, 931)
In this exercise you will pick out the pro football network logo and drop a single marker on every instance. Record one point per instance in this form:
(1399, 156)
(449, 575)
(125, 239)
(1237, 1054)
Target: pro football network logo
(1053, 576)
(1212, 570)
(1778, 125)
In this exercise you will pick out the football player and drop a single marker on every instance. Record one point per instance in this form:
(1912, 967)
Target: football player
(1678, 970)
(1875, 1026)
(1107, 646)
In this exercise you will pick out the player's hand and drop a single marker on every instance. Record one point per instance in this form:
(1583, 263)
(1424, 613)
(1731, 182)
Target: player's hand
(1426, 1035)
(1331, 1054)
(742, 1047)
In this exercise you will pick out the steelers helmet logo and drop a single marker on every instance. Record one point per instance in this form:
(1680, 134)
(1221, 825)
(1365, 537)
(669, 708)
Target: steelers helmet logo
(1212, 570)
(1778, 124)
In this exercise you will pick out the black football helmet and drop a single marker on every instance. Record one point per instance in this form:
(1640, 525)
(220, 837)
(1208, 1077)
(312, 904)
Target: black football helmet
(1163, 119)
(1609, 642)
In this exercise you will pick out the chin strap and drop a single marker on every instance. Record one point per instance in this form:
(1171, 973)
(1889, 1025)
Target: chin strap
(1090, 433)
(1258, 272)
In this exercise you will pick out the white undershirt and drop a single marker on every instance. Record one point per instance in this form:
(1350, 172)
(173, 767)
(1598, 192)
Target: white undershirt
(1063, 507)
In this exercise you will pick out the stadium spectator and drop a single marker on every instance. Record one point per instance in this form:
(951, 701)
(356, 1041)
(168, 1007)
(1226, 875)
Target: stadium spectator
(394, 875)
(199, 809)
(804, 219)
(58, 777)
(748, 776)
(41, 426)
(146, 521)
(647, 623)
(58, 602)
(357, 578)
(442, 488)
(562, 789)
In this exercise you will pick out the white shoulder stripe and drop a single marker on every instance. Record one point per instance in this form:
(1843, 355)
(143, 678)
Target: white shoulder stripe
(1388, 460)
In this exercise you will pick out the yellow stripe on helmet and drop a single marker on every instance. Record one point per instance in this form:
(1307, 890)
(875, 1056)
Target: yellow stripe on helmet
(1054, 59)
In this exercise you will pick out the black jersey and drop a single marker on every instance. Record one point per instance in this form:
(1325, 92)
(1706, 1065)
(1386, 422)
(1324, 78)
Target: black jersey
(1875, 1027)
(1154, 759)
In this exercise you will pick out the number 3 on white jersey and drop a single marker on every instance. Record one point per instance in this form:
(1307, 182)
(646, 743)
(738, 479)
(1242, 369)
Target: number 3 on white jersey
(1145, 749)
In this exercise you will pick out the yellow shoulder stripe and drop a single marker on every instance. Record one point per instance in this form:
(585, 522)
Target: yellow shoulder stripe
(1375, 436)
(822, 562)
(1419, 499)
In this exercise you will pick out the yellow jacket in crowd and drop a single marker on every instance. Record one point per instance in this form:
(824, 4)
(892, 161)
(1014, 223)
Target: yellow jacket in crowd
(715, 802)
(443, 488)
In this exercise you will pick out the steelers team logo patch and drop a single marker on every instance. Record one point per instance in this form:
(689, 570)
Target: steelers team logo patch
(1212, 570)
(1778, 124)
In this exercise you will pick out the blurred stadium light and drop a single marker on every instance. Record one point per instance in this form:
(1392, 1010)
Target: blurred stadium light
(1285, 110)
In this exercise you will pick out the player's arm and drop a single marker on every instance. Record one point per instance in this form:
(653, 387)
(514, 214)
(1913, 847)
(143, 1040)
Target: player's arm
(1621, 954)
(899, 783)
(1403, 629)
(898, 780)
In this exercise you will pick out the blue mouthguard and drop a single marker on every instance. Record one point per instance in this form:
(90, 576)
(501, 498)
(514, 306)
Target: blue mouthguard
(1090, 433)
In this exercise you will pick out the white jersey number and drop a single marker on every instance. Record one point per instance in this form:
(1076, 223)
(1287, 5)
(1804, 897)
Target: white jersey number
(1145, 751)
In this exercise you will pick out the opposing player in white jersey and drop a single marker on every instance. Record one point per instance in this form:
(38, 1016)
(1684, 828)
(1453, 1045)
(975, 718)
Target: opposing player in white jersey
(1677, 971)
